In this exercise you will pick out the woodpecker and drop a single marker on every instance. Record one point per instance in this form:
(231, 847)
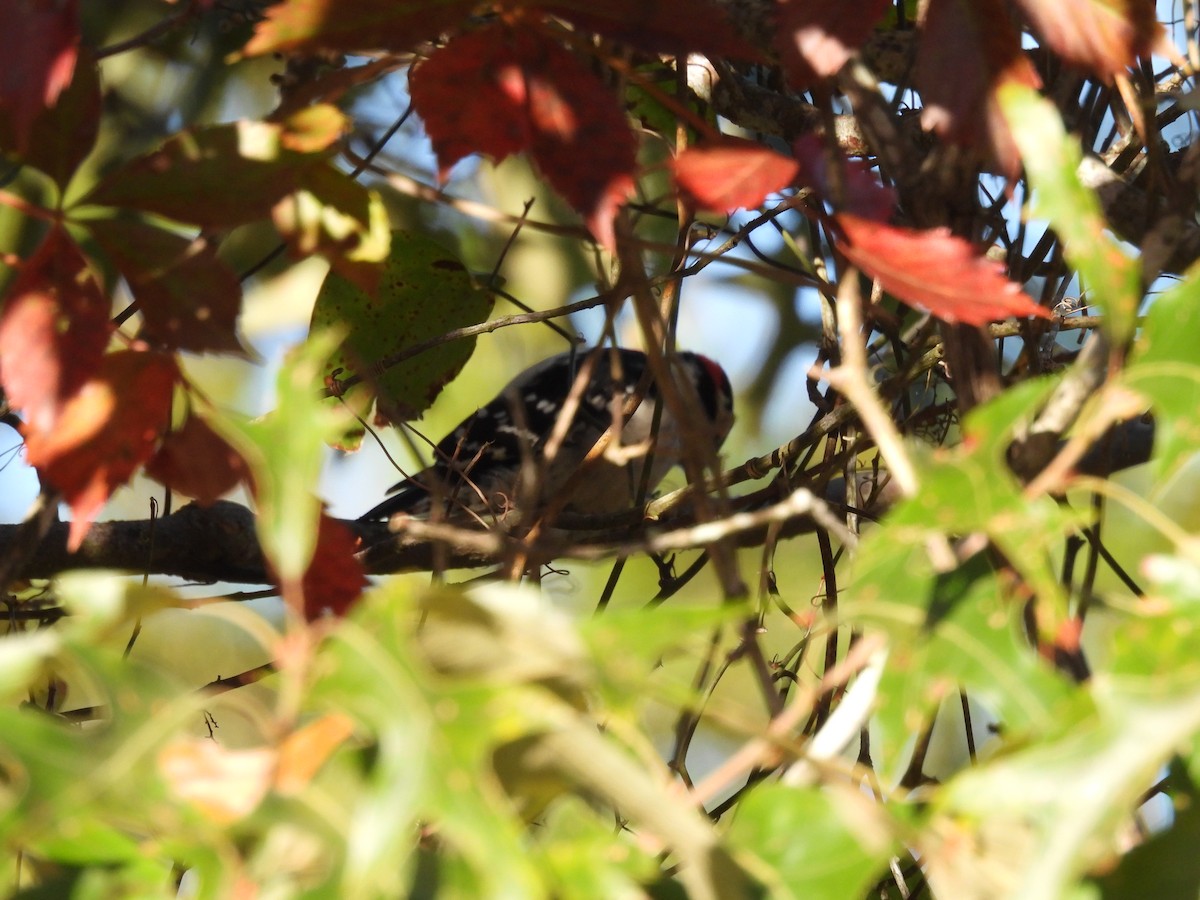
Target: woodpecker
(496, 459)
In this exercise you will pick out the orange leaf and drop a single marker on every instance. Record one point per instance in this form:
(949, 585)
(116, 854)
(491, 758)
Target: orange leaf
(936, 271)
(53, 330)
(732, 174)
(105, 431)
(501, 90)
(363, 25)
(306, 749)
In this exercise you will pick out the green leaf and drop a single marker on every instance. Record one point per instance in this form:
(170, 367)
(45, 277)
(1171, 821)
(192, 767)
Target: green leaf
(1166, 865)
(223, 175)
(1111, 276)
(1031, 822)
(23, 658)
(947, 632)
(1164, 368)
(821, 843)
(583, 858)
(285, 450)
(366, 670)
(627, 645)
(332, 214)
(104, 603)
(970, 489)
(423, 293)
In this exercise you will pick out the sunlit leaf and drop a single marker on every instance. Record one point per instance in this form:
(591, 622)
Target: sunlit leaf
(731, 174)
(1111, 276)
(500, 90)
(299, 25)
(1105, 36)
(105, 432)
(810, 842)
(334, 215)
(936, 271)
(53, 331)
(227, 785)
(1164, 368)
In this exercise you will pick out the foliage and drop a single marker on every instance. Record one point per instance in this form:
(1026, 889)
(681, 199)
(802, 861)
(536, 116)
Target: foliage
(968, 669)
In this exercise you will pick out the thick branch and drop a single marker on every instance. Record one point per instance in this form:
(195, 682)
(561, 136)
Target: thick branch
(214, 544)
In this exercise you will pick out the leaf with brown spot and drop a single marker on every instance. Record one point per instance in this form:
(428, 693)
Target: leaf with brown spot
(424, 292)
(189, 299)
(934, 270)
(222, 175)
(198, 463)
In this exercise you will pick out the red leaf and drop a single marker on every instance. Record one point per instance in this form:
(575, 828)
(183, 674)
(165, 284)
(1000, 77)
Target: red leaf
(53, 330)
(39, 44)
(732, 174)
(63, 133)
(859, 191)
(334, 579)
(500, 90)
(968, 50)
(363, 25)
(1105, 36)
(223, 175)
(816, 37)
(936, 271)
(658, 26)
(106, 430)
(197, 462)
(189, 299)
